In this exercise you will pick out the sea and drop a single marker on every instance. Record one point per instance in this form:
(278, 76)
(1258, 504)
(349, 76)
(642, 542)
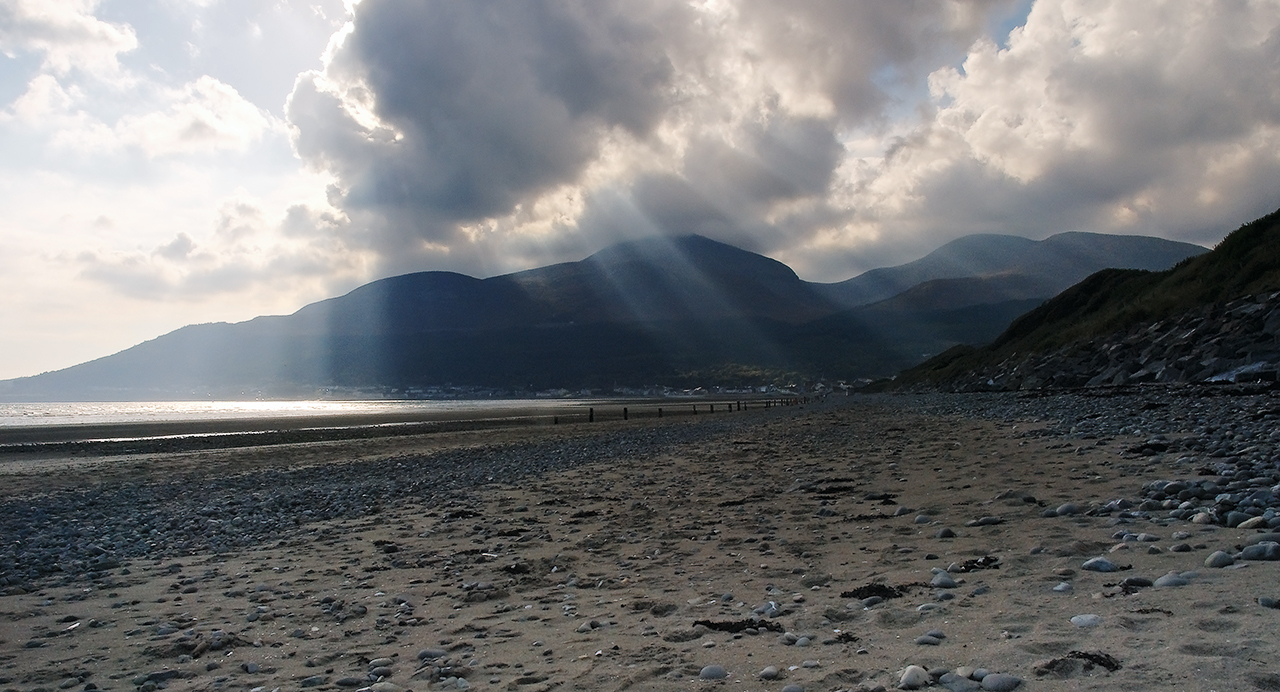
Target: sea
(114, 412)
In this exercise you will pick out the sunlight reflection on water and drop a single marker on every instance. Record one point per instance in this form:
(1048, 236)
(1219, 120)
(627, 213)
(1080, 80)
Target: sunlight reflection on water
(89, 413)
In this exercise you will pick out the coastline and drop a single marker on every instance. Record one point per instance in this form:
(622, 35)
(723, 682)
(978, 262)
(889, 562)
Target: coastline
(584, 557)
(96, 439)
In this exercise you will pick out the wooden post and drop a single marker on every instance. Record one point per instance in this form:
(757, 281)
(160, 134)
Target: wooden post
(695, 409)
(624, 413)
(591, 415)
(659, 411)
(555, 420)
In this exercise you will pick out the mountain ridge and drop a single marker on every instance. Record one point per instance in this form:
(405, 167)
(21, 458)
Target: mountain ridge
(653, 311)
(1205, 317)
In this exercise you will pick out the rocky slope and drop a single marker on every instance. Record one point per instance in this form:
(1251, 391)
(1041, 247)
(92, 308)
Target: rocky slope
(1213, 318)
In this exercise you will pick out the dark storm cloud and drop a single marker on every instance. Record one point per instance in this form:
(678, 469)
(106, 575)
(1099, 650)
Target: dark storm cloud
(481, 103)
(835, 136)
(435, 115)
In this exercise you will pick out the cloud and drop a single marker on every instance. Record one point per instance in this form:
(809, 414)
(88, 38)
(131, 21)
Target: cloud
(458, 111)
(201, 117)
(65, 32)
(1113, 116)
(464, 133)
(246, 251)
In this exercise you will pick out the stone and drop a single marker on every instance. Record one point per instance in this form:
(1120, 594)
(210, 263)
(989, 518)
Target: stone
(1086, 620)
(943, 580)
(713, 672)
(1000, 682)
(1172, 579)
(1253, 523)
(1218, 559)
(1099, 564)
(913, 678)
(769, 673)
(1268, 550)
(958, 683)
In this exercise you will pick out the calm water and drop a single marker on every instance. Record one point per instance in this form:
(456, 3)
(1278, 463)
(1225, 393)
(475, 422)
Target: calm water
(90, 413)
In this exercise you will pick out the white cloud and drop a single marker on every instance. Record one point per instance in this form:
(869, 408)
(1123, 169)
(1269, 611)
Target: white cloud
(202, 117)
(248, 250)
(1155, 117)
(65, 32)
(490, 137)
(470, 136)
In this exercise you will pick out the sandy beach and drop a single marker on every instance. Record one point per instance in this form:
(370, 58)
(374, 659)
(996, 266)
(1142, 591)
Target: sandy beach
(828, 546)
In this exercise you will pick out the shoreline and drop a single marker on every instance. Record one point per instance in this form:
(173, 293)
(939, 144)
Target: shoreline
(217, 433)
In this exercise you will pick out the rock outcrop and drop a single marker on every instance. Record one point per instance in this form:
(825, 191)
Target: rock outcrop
(1235, 342)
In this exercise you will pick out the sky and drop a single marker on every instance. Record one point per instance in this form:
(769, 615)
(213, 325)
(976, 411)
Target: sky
(170, 162)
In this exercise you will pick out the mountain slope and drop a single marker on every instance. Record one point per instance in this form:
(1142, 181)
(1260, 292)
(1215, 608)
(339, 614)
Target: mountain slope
(658, 310)
(1053, 263)
(1211, 301)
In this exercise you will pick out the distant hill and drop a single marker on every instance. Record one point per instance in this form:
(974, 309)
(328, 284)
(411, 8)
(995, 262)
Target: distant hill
(1045, 267)
(681, 311)
(1209, 316)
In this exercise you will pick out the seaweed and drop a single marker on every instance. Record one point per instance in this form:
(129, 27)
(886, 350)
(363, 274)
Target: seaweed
(735, 626)
(1097, 658)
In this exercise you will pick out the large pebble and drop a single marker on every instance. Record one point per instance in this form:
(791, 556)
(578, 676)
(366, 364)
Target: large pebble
(1218, 559)
(1099, 564)
(1268, 550)
(958, 683)
(1000, 682)
(1172, 579)
(1086, 620)
(913, 678)
(713, 672)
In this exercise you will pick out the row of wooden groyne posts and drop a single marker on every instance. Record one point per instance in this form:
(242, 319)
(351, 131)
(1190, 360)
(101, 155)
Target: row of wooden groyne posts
(669, 409)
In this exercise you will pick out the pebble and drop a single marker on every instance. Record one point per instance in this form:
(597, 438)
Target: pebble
(1063, 587)
(926, 640)
(713, 672)
(1267, 550)
(945, 532)
(1099, 564)
(793, 688)
(914, 678)
(1218, 559)
(769, 673)
(1172, 579)
(1086, 620)
(943, 580)
(1000, 682)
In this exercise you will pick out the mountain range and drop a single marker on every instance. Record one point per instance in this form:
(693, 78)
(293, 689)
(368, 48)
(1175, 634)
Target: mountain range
(1212, 317)
(678, 311)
